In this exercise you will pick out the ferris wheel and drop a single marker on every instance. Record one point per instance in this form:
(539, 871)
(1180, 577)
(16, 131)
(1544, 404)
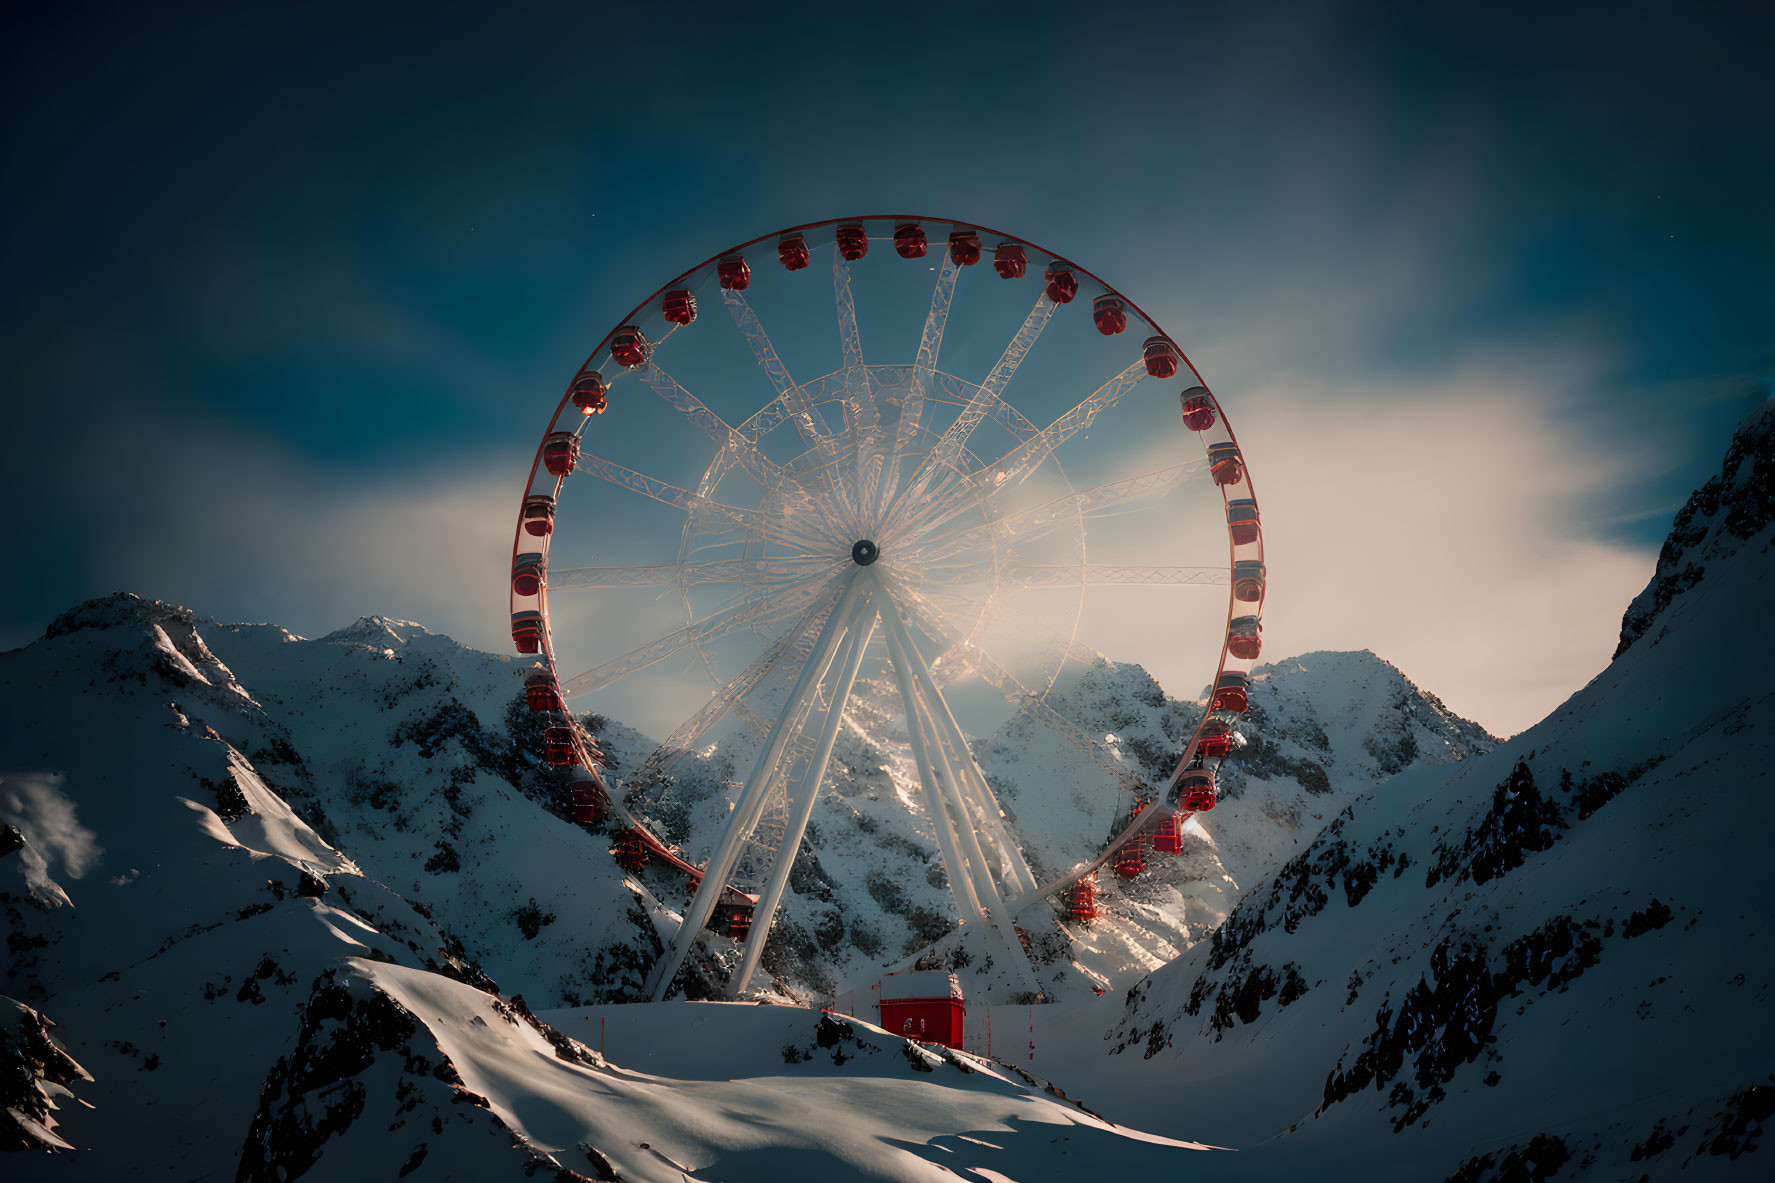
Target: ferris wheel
(907, 453)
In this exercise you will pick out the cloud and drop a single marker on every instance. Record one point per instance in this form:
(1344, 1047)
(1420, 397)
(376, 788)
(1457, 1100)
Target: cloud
(240, 528)
(1443, 522)
(34, 802)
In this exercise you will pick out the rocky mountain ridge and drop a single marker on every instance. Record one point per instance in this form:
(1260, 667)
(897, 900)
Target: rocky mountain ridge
(1540, 963)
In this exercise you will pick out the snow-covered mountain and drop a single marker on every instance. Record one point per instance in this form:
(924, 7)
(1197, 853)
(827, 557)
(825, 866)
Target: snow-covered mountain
(237, 997)
(870, 886)
(322, 854)
(1548, 962)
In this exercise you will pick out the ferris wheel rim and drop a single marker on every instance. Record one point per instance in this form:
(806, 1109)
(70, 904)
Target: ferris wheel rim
(547, 648)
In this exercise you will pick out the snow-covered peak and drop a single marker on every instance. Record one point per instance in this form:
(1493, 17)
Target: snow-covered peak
(1363, 704)
(116, 610)
(380, 631)
(1730, 512)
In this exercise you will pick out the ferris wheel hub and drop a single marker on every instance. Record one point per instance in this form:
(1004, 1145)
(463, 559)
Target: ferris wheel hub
(864, 552)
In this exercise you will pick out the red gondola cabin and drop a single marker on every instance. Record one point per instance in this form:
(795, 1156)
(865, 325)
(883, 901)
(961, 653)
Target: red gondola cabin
(1081, 900)
(1167, 835)
(541, 692)
(964, 247)
(527, 631)
(1130, 860)
(1225, 463)
(1248, 581)
(1242, 521)
(792, 250)
(1198, 409)
(557, 743)
(560, 452)
(1107, 311)
(628, 348)
(732, 916)
(1009, 261)
(1214, 747)
(1161, 357)
(910, 240)
(1244, 638)
(1231, 692)
(1196, 793)
(583, 799)
(630, 851)
(1063, 285)
(539, 515)
(853, 241)
(588, 393)
(678, 306)
(734, 276)
(923, 1004)
(527, 573)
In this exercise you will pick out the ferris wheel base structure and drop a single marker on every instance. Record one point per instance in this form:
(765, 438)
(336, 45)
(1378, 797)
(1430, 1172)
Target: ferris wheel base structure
(846, 517)
(954, 792)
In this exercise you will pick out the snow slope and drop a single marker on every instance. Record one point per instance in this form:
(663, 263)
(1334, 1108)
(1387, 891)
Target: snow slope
(1551, 963)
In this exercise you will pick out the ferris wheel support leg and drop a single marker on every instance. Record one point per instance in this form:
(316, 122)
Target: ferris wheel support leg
(972, 782)
(859, 630)
(960, 881)
(973, 862)
(751, 802)
(980, 868)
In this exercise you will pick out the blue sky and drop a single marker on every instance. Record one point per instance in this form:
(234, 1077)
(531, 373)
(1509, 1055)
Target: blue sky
(287, 286)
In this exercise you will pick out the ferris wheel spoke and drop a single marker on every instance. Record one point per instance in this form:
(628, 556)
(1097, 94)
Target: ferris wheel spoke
(863, 412)
(949, 449)
(787, 654)
(773, 570)
(1106, 500)
(1029, 456)
(760, 468)
(805, 415)
(1022, 461)
(754, 608)
(777, 526)
(961, 393)
(924, 369)
(792, 403)
(858, 395)
(1107, 575)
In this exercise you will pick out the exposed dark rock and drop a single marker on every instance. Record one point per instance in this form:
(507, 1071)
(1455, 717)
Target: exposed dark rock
(1539, 1160)
(312, 1095)
(29, 1057)
(808, 878)
(1718, 518)
(445, 860)
(1737, 1129)
(1446, 1020)
(1656, 916)
(1520, 821)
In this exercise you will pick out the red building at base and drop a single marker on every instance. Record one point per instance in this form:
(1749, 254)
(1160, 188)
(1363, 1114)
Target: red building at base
(922, 1004)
